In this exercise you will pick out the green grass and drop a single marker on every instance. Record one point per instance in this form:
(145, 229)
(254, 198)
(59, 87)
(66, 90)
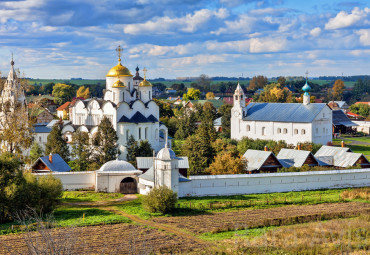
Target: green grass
(70, 216)
(204, 205)
(77, 82)
(88, 196)
(246, 233)
(365, 139)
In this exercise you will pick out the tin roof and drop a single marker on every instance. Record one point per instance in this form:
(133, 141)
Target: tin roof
(149, 176)
(57, 164)
(256, 159)
(147, 162)
(291, 157)
(283, 112)
(340, 118)
(342, 156)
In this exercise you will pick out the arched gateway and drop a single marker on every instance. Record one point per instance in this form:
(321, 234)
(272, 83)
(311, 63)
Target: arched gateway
(128, 186)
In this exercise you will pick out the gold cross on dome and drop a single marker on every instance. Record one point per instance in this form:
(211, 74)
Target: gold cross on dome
(145, 70)
(119, 52)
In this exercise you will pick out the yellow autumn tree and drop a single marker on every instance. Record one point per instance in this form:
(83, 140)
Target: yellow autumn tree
(210, 95)
(225, 163)
(338, 90)
(274, 93)
(83, 92)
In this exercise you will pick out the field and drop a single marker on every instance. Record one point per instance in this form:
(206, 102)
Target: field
(77, 82)
(102, 223)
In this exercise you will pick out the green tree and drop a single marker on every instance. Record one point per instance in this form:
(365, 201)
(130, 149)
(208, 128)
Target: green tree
(56, 144)
(282, 81)
(36, 151)
(338, 89)
(83, 92)
(81, 151)
(361, 109)
(160, 199)
(186, 124)
(225, 111)
(62, 93)
(131, 149)
(192, 94)
(165, 109)
(144, 149)
(105, 143)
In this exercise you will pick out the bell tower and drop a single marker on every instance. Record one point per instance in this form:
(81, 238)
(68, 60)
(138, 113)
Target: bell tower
(239, 97)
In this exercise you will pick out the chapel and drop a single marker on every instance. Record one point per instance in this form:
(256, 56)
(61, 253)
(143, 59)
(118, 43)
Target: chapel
(128, 103)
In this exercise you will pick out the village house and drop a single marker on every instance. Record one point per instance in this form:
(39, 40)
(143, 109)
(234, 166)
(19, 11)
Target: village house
(296, 158)
(51, 163)
(261, 161)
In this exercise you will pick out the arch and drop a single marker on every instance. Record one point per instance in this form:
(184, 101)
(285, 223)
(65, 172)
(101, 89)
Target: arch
(296, 131)
(303, 132)
(248, 128)
(128, 186)
(263, 130)
(279, 130)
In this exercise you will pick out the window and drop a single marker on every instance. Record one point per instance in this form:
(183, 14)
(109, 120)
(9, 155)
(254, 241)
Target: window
(323, 114)
(263, 130)
(236, 97)
(114, 96)
(40, 139)
(317, 130)
(285, 131)
(123, 96)
(323, 131)
(279, 130)
(129, 84)
(296, 131)
(146, 133)
(303, 132)
(127, 135)
(156, 134)
(149, 96)
(139, 133)
(241, 97)
(248, 128)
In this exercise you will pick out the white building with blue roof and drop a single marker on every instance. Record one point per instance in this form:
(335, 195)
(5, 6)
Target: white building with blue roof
(291, 122)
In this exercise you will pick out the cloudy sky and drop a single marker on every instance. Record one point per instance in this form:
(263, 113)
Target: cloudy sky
(171, 38)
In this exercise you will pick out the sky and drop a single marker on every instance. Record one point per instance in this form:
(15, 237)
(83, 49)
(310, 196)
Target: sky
(55, 39)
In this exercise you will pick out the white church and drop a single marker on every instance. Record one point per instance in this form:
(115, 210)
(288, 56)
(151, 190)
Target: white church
(291, 122)
(128, 103)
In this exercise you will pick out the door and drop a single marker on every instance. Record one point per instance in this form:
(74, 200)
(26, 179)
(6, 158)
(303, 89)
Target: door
(128, 186)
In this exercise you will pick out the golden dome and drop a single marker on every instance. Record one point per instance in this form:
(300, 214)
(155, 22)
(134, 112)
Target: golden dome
(118, 70)
(118, 84)
(145, 83)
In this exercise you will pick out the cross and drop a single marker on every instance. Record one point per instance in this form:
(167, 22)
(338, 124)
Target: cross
(145, 70)
(306, 74)
(119, 52)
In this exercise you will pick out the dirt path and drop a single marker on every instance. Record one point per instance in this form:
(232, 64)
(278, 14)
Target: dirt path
(128, 197)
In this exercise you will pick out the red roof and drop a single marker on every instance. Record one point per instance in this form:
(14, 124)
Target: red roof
(367, 103)
(351, 114)
(63, 106)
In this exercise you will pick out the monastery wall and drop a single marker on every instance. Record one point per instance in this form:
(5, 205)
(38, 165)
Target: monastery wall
(217, 185)
(75, 180)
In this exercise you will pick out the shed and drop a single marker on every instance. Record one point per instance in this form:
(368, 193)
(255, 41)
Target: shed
(296, 158)
(341, 123)
(51, 163)
(261, 161)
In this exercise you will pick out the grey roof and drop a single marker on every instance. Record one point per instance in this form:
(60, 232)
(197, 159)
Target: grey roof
(138, 118)
(291, 157)
(340, 118)
(342, 156)
(117, 165)
(57, 164)
(340, 103)
(53, 122)
(282, 112)
(41, 128)
(325, 160)
(149, 176)
(147, 162)
(217, 122)
(256, 158)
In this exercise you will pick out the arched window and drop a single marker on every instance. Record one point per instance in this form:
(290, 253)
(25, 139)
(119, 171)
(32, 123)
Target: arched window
(156, 134)
(123, 96)
(263, 130)
(296, 131)
(285, 131)
(146, 133)
(236, 97)
(139, 133)
(279, 130)
(303, 132)
(241, 97)
(127, 135)
(248, 128)
(150, 97)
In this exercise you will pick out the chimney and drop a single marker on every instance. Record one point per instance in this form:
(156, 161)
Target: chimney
(266, 148)
(342, 143)
(299, 146)
(51, 158)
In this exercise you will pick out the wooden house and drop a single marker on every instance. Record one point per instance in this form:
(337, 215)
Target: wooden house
(297, 158)
(261, 161)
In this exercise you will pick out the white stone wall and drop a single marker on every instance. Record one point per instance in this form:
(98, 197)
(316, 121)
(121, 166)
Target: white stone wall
(110, 181)
(214, 185)
(75, 180)
(322, 131)
(41, 139)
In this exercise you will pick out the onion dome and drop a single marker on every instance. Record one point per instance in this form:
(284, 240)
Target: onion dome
(117, 165)
(306, 88)
(145, 83)
(118, 70)
(118, 84)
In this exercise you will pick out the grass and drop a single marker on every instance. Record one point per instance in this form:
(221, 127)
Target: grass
(203, 205)
(245, 233)
(88, 196)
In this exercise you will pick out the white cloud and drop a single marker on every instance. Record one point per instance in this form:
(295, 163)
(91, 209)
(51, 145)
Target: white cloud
(344, 19)
(364, 36)
(315, 32)
(360, 52)
(202, 59)
(188, 23)
(157, 50)
(323, 62)
(258, 45)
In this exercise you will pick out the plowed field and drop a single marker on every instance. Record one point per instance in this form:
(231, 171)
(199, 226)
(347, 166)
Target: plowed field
(107, 239)
(261, 217)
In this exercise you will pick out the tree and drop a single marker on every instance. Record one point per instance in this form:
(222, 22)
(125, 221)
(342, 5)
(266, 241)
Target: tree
(36, 151)
(209, 112)
(81, 150)
(257, 82)
(132, 149)
(185, 123)
(274, 93)
(361, 109)
(338, 90)
(225, 111)
(210, 95)
(192, 94)
(165, 109)
(105, 143)
(160, 199)
(83, 92)
(204, 82)
(62, 93)
(56, 144)
(282, 81)
(144, 149)
(225, 163)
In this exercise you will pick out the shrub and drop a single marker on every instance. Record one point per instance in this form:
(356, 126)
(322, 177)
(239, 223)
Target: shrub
(160, 199)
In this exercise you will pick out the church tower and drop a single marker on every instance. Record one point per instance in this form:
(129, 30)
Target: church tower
(239, 97)
(145, 89)
(306, 96)
(137, 79)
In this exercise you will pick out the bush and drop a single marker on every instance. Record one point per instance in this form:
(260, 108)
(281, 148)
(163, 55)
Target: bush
(160, 199)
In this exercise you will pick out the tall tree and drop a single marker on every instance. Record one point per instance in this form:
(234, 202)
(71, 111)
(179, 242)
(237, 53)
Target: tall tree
(83, 92)
(225, 111)
(62, 93)
(105, 143)
(56, 144)
(81, 150)
(210, 95)
(338, 90)
(144, 149)
(36, 151)
(258, 82)
(204, 82)
(225, 163)
(192, 94)
(282, 81)
(132, 149)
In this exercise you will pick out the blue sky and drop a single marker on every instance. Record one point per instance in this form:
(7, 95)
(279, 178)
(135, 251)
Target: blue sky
(172, 38)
